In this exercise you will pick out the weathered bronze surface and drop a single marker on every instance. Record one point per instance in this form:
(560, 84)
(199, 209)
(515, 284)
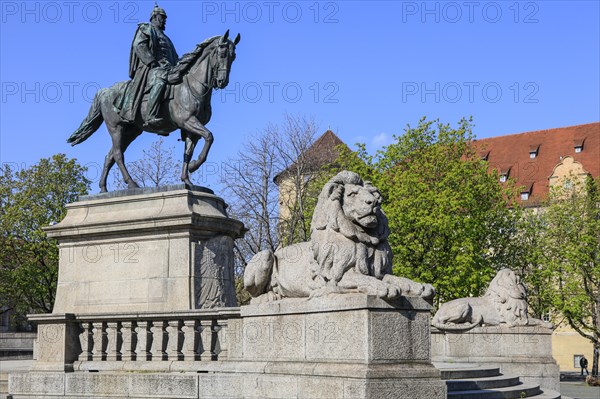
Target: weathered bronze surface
(164, 94)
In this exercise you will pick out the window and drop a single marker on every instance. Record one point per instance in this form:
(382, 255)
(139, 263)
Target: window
(526, 191)
(533, 150)
(504, 173)
(576, 359)
(578, 144)
(546, 316)
(578, 148)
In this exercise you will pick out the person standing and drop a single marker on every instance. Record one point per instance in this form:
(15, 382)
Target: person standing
(583, 363)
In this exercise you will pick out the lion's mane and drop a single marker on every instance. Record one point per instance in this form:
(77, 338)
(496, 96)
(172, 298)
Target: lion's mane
(339, 243)
(509, 297)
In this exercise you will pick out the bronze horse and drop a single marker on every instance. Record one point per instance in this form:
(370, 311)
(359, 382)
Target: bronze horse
(188, 109)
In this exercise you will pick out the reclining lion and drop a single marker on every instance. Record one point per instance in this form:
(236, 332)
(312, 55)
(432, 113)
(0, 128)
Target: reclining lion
(504, 302)
(348, 251)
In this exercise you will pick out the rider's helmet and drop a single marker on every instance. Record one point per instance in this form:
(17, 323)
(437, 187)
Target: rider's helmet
(157, 11)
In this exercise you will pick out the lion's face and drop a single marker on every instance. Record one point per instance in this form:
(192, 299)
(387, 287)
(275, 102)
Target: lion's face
(506, 288)
(360, 204)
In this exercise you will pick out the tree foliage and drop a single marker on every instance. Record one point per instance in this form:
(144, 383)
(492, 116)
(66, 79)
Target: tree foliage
(565, 263)
(450, 218)
(30, 199)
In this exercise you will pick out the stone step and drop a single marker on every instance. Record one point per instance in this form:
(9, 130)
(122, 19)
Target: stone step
(16, 354)
(512, 392)
(499, 381)
(472, 372)
(549, 394)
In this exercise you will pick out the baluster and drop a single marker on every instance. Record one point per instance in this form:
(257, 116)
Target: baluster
(173, 340)
(128, 337)
(190, 339)
(221, 338)
(141, 349)
(206, 340)
(112, 341)
(99, 340)
(85, 338)
(158, 336)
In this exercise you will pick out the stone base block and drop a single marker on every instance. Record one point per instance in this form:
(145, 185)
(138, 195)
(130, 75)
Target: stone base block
(520, 351)
(145, 250)
(239, 380)
(350, 328)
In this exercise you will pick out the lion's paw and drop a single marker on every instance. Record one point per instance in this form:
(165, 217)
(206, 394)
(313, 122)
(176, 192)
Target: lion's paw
(326, 290)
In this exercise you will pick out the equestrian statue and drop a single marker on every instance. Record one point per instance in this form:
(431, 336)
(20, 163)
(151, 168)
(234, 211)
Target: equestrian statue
(165, 93)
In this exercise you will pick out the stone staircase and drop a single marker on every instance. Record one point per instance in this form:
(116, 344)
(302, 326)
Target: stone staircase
(478, 382)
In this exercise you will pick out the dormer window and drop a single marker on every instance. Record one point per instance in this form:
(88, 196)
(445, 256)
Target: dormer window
(533, 150)
(484, 155)
(578, 145)
(504, 173)
(526, 192)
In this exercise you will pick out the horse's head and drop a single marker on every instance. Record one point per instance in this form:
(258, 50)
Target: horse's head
(222, 58)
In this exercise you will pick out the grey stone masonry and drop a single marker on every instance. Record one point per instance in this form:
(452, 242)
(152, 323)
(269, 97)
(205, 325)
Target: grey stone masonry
(338, 346)
(146, 250)
(523, 351)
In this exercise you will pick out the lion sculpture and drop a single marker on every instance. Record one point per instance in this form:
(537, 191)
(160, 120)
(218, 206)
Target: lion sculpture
(348, 251)
(504, 302)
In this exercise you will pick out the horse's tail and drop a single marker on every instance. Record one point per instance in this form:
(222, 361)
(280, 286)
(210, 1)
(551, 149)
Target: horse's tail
(91, 123)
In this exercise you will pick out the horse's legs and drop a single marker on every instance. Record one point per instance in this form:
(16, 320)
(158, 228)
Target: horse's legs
(109, 161)
(190, 144)
(193, 127)
(122, 136)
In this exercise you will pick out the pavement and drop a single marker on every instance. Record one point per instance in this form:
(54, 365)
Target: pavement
(579, 390)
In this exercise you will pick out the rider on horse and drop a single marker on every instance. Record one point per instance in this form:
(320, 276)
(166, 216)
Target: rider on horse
(152, 57)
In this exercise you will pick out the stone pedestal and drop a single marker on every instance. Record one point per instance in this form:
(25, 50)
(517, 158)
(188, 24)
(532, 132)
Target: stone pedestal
(524, 351)
(339, 346)
(166, 249)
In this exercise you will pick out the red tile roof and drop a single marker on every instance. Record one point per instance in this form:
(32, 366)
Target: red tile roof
(513, 152)
(322, 152)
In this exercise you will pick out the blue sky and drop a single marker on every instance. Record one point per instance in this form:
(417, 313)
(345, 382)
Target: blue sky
(363, 69)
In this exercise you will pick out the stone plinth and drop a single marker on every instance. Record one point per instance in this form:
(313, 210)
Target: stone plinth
(166, 249)
(339, 346)
(524, 351)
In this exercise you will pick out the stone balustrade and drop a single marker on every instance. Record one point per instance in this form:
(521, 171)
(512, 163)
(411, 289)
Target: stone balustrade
(92, 341)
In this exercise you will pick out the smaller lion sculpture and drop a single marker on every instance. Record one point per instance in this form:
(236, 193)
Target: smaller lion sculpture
(348, 251)
(504, 302)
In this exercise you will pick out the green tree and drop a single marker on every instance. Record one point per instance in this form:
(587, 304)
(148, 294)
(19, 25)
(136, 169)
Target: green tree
(450, 218)
(30, 199)
(566, 265)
